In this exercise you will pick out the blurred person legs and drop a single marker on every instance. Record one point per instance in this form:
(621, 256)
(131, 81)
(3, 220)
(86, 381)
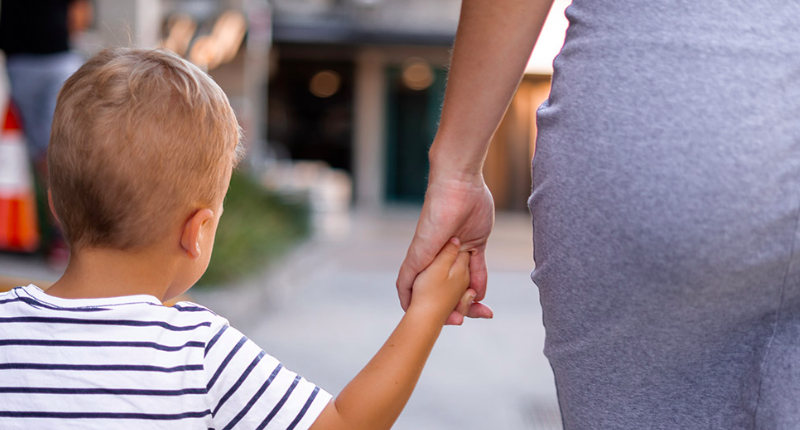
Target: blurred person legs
(35, 82)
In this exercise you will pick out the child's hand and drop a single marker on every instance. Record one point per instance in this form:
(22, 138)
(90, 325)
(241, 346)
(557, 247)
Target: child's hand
(443, 285)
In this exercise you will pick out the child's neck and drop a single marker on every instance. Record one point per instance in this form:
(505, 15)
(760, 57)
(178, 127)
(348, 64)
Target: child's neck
(98, 273)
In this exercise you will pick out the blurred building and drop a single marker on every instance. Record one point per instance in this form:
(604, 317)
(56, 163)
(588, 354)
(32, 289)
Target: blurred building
(357, 84)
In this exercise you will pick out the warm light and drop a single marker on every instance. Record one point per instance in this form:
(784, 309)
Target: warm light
(222, 44)
(203, 52)
(550, 41)
(229, 31)
(417, 74)
(181, 30)
(325, 84)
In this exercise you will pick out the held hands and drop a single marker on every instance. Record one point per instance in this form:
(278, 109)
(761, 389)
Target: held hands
(443, 285)
(453, 208)
(374, 399)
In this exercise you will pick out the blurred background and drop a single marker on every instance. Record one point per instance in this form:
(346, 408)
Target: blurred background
(339, 101)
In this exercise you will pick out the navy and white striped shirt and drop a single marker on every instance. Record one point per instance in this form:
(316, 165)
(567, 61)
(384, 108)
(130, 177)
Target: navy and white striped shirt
(129, 362)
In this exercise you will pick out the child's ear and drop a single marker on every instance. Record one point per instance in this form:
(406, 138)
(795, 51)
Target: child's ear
(192, 232)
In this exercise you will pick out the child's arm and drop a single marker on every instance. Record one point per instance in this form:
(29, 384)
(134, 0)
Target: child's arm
(375, 398)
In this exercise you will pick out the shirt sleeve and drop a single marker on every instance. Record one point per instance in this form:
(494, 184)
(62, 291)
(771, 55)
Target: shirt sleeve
(249, 389)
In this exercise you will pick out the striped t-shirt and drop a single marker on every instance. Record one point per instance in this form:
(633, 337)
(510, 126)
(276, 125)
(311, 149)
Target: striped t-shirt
(129, 362)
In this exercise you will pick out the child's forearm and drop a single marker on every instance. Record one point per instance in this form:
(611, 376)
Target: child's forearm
(374, 399)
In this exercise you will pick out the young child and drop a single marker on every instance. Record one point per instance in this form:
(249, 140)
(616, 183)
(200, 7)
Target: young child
(141, 154)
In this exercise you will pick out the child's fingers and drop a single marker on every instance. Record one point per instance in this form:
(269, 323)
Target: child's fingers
(466, 300)
(448, 254)
(459, 271)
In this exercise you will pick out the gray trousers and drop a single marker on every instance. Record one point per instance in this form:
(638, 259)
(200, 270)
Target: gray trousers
(665, 205)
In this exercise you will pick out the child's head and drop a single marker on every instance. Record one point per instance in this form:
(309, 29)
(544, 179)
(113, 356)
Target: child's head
(141, 139)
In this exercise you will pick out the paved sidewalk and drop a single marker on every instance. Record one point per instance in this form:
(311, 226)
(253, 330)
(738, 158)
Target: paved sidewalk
(326, 309)
(19, 269)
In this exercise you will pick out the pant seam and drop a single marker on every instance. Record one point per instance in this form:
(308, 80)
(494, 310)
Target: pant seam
(764, 360)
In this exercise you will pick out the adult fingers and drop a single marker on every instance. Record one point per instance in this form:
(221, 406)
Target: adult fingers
(466, 300)
(420, 254)
(479, 310)
(405, 279)
(455, 318)
(418, 257)
(476, 310)
(478, 274)
(462, 262)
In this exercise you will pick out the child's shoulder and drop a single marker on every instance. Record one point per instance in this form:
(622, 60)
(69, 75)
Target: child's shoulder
(125, 311)
(192, 312)
(185, 306)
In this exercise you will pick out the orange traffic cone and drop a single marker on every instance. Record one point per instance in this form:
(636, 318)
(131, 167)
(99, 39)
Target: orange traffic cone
(18, 225)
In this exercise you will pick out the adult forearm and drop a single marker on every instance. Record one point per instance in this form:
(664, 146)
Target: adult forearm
(493, 43)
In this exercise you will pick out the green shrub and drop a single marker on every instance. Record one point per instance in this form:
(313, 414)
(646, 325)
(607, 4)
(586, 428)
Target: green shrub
(256, 227)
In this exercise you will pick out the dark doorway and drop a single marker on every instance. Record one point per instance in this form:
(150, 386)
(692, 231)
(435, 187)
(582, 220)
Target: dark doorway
(311, 111)
(411, 123)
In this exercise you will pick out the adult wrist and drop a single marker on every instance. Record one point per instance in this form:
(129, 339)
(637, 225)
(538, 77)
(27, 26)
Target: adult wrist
(444, 168)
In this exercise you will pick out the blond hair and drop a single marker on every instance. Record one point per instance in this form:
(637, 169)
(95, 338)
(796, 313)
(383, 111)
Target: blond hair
(140, 138)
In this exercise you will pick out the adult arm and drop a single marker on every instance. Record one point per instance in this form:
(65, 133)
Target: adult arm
(493, 43)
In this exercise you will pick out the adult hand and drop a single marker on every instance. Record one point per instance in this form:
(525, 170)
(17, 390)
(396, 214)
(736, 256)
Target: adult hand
(454, 207)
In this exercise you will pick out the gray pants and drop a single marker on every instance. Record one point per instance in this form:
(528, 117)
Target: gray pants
(665, 215)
